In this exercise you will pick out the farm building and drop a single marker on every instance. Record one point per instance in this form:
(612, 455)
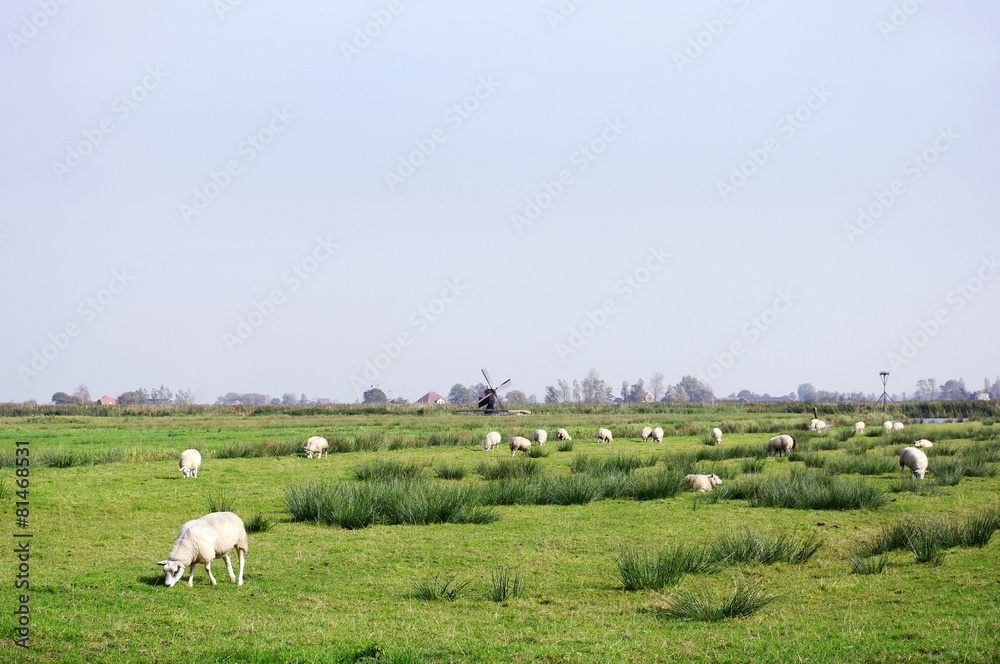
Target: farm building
(108, 401)
(432, 397)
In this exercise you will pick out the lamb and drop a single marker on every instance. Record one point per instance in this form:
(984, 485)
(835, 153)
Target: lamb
(562, 434)
(817, 425)
(646, 433)
(517, 443)
(781, 444)
(913, 459)
(897, 426)
(189, 462)
(703, 482)
(923, 442)
(604, 435)
(717, 434)
(541, 435)
(202, 541)
(887, 426)
(859, 427)
(492, 441)
(317, 445)
(658, 434)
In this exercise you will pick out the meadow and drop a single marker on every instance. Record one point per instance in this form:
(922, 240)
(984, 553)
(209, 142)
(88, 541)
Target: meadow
(410, 543)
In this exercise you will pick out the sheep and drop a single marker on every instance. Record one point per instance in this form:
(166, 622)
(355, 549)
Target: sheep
(492, 441)
(897, 426)
(703, 482)
(604, 435)
(646, 433)
(717, 435)
(781, 444)
(562, 434)
(913, 459)
(316, 445)
(517, 443)
(189, 462)
(923, 442)
(887, 426)
(202, 541)
(817, 425)
(541, 435)
(658, 434)
(859, 427)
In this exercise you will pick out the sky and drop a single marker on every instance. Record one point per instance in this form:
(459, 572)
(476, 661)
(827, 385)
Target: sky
(312, 197)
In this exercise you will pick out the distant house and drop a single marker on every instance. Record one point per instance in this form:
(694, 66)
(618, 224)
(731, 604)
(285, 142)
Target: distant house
(647, 397)
(323, 402)
(108, 401)
(982, 396)
(432, 397)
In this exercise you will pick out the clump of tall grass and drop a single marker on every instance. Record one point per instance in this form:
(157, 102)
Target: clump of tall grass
(944, 533)
(858, 447)
(653, 485)
(369, 441)
(220, 501)
(503, 469)
(913, 485)
(947, 472)
(723, 453)
(571, 489)
(708, 439)
(750, 466)
(258, 523)
(810, 459)
(680, 461)
(504, 584)
(5, 489)
(340, 445)
(538, 452)
(59, 459)
(380, 470)
(805, 489)
(747, 598)
(757, 546)
(513, 491)
(398, 441)
(865, 464)
(925, 546)
(867, 565)
(449, 471)
(449, 438)
(259, 448)
(618, 462)
(640, 568)
(844, 434)
(565, 446)
(438, 588)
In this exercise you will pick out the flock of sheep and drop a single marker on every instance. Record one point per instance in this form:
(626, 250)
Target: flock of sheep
(215, 535)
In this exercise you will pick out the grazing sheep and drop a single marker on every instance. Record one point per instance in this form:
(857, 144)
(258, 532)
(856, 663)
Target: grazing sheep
(189, 462)
(817, 425)
(887, 426)
(541, 435)
(923, 442)
(897, 426)
(604, 435)
(562, 434)
(703, 482)
(658, 434)
(781, 444)
(717, 435)
(202, 541)
(859, 427)
(517, 443)
(913, 459)
(317, 445)
(492, 441)
(646, 433)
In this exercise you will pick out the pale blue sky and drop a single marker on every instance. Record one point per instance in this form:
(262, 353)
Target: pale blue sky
(308, 119)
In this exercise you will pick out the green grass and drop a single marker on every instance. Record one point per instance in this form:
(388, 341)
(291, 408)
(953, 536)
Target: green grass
(748, 597)
(220, 500)
(806, 489)
(258, 523)
(450, 471)
(866, 566)
(504, 584)
(319, 591)
(439, 588)
(384, 470)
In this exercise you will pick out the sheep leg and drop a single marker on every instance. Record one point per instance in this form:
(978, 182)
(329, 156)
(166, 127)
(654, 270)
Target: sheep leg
(229, 568)
(208, 568)
(191, 578)
(242, 556)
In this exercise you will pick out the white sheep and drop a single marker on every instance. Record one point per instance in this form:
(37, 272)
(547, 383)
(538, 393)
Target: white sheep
(703, 482)
(316, 445)
(913, 459)
(541, 435)
(897, 426)
(887, 426)
(923, 442)
(492, 441)
(781, 444)
(817, 425)
(658, 434)
(190, 461)
(202, 541)
(717, 435)
(604, 435)
(859, 427)
(517, 443)
(646, 433)
(562, 434)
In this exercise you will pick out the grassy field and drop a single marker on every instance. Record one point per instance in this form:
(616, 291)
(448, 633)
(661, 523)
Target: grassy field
(539, 570)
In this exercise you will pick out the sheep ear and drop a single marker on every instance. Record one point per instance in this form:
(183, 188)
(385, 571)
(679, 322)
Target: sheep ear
(163, 562)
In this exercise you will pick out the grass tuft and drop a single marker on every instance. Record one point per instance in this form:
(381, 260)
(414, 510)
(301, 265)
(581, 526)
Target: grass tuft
(565, 446)
(640, 569)
(258, 523)
(449, 471)
(437, 588)
(504, 584)
(220, 501)
(748, 598)
(866, 565)
(382, 470)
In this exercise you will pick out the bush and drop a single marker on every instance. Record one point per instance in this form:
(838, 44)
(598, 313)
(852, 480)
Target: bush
(748, 598)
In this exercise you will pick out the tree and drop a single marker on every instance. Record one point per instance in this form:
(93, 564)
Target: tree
(459, 394)
(807, 392)
(185, 396)
(593, 389)
(926, 390)
(375, 395)
(161, 395)
(656, 385)
(303, 399)
(275, 401)
(83, 393)
(551, 394)
(516, 396)
(697, 390)
(565, 393)
(995, 390)
(954, 390)
(677, 393)
(60, 398)
(134, 397)
(288, 399)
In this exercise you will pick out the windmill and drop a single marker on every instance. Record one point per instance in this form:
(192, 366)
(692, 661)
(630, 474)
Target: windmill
(491, 397)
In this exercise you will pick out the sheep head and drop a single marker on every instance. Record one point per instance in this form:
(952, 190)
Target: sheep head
(173, 572)
(715, 479)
